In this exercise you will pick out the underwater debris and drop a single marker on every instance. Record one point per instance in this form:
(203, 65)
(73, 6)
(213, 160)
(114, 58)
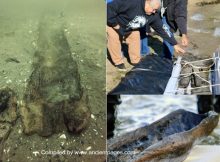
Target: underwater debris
(12, 60)
(4, 98)
(8, 106)
(8, 114)
(63, 136)
(54, 99)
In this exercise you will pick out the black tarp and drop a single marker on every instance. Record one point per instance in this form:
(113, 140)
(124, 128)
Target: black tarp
(150, 76)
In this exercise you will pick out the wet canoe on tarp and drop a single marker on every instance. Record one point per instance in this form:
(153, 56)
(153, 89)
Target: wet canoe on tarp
(168, 139)
(150, 76)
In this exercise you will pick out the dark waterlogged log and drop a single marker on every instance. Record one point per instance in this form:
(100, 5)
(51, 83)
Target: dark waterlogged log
(168, 139)
(8, 114)
(8, 106)
(54, 99)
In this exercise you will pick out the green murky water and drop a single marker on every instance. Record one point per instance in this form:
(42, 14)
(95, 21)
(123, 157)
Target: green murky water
(84, 28)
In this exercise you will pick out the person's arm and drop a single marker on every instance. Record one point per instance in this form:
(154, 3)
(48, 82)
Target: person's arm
(165, 33)
(113, 9)
(181, 15)
(158, 26)
(181, 19)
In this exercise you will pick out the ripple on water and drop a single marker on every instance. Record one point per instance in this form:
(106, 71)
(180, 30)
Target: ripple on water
(137, 111)
(199, 30)
(197, 17)
(217, 32)
(216, 20)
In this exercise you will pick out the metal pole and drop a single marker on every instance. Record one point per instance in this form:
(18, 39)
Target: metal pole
(216, 73)
(172, 84)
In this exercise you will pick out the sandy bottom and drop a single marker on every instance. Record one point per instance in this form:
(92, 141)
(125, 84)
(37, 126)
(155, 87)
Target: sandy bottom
(85, 32)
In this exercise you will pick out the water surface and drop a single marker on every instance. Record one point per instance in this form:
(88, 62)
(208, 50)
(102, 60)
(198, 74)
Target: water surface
(139, 110)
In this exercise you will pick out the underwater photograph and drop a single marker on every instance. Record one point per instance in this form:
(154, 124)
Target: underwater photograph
(52, 81)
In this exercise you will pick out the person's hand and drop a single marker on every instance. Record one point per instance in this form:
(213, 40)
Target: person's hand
(116, 27)
(184, 40)
(150, 34)
(178, 49)
(121, 32)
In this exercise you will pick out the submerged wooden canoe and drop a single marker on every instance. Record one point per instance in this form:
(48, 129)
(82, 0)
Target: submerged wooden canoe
(169, 139)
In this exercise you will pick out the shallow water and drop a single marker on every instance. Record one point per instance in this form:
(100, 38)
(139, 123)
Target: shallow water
(136, 111)
(197, 17)
(217, 32)
(203, 28)
(199, 30)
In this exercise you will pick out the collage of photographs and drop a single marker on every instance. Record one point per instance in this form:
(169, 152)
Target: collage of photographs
(109, 81)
